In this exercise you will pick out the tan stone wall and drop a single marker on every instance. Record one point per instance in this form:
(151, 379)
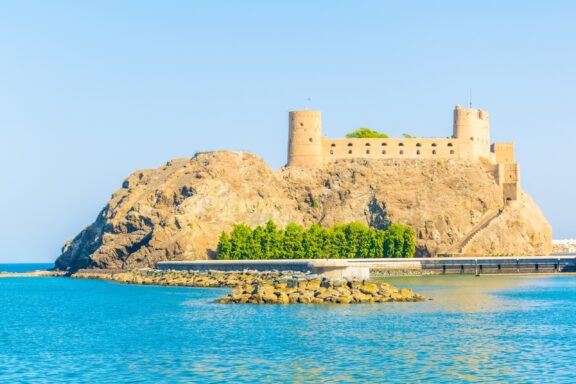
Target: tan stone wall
(511, 173)
(511, 191)
(392, 148)
(504, 153)
(508, 170)
(305, 139)
(307, 148)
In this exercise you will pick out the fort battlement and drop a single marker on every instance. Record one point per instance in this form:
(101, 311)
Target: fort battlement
(308, 148)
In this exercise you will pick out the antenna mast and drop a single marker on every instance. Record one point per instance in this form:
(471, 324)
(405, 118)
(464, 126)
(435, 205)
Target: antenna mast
(470, 97)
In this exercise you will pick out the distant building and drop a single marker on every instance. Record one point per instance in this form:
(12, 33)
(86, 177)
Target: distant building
(564, 246)
(308, 148)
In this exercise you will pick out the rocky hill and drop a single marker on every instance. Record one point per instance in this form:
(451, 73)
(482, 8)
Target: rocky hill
(178, 211)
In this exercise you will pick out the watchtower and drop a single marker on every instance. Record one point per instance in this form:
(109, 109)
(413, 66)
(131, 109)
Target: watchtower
(472, 127)
(305, 139)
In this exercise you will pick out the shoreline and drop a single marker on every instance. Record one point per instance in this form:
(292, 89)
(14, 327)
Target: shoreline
(379, 275)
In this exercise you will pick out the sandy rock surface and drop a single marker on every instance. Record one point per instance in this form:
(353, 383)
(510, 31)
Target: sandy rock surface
(176, 212)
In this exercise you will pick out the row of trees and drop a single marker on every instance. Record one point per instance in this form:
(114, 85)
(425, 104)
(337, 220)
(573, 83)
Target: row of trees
(341, 241)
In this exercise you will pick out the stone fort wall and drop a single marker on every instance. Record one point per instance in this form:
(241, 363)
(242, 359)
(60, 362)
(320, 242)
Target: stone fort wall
(411, 148)
(308, 148)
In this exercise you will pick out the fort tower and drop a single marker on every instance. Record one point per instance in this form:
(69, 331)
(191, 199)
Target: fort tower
(305, 139)
(472, 127)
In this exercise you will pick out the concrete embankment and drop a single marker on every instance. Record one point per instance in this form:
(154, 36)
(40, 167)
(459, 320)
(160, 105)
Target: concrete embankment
(469, 265)
(364, 268)
(327, 268)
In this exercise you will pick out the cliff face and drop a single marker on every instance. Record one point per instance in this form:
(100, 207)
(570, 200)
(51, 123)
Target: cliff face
(179, 210)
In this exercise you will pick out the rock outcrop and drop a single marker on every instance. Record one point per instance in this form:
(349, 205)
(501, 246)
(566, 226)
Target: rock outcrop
(315, 291)
(177, 212)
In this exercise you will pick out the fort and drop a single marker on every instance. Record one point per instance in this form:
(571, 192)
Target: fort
(308, 148)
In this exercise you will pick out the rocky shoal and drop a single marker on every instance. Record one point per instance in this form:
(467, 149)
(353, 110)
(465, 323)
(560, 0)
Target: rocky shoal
(148, 276)
(316, 291)
(251, 287)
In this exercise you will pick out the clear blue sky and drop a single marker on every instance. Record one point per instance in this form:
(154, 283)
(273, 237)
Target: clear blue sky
(93, 90)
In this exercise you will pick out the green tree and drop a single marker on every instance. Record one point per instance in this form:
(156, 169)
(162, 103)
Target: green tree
(239, 239)
(366, 133)
(376, 248)
(397, 233)
(408, 136)
(292, 242)
(388, 244)
(356, 241)
(256, 242)
(272, 241)
(313, 242)
(409, 242)
(330, 248)
(224, 247)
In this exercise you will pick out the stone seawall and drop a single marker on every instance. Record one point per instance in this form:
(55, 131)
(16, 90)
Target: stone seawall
(326, 268)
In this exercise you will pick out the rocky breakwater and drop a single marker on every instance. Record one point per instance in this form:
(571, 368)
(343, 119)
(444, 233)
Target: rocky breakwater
(147, 276)
(316, 291)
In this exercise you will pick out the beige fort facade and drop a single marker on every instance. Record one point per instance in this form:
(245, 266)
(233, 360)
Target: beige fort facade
(308, 148)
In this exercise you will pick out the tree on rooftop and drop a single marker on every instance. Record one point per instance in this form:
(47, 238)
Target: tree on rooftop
(366, 133)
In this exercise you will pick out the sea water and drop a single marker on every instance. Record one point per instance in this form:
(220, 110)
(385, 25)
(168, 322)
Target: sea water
(475, 329)
(25, 267)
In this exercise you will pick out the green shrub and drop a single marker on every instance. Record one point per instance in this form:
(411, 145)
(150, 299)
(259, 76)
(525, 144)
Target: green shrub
(366, 133)
(353, 240)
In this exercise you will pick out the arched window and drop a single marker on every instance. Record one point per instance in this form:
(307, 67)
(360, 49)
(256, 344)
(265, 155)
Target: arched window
(401, 152)
(418, 144)
(383, 152)
(433, 151)
(450, 144)
(332, 145)
(349, 144)
(350, 152)
(384, 144)
(367, 151)
(401, 144)
(433, 144)
(367, 144)
(418, 152)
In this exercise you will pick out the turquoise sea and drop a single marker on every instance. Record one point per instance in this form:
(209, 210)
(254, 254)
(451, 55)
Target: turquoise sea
(504, 329)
